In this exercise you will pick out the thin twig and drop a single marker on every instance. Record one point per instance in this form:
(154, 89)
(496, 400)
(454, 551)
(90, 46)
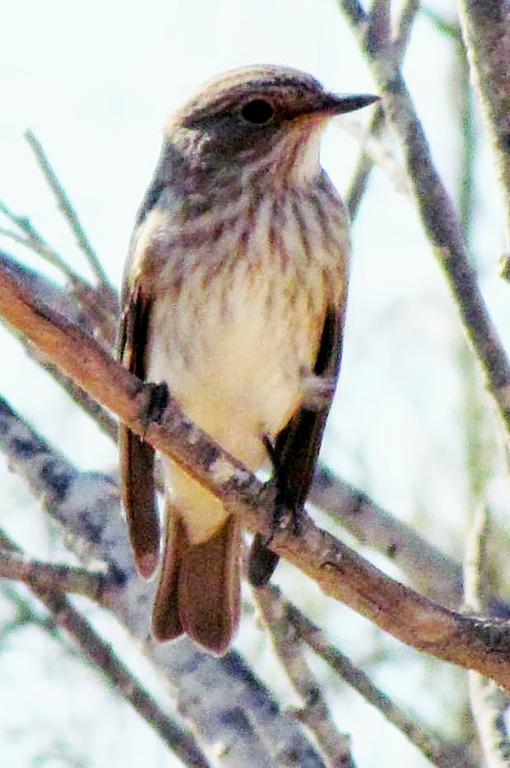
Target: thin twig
(68, 211)
(119, 676)
(426, 568)
(100, 303)
(314, 712)
(434, 206)
(365, 162)
(488, 703)
(52, 576)
(441, 755)
(43, 249)
(486, 36)
(374, 153)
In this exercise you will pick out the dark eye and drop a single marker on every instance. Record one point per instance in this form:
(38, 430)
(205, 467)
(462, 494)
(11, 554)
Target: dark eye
(257, 111)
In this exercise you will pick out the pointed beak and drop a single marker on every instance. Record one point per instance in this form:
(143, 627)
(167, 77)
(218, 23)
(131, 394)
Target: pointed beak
(338, 104)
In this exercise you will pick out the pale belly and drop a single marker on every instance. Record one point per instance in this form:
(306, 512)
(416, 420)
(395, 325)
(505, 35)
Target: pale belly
(235, 362)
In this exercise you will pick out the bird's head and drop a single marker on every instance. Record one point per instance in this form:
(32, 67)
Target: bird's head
(258, 120)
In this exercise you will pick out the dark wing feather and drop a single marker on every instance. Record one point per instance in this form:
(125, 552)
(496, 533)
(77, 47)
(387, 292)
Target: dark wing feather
(297, 448)
(136, 456)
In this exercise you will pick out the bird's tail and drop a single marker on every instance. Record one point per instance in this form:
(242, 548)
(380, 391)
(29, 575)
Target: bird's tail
(199, 587)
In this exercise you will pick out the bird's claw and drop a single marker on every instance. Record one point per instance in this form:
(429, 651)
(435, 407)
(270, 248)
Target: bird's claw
(155, 404)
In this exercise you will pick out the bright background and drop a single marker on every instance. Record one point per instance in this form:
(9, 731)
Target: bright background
(95, 81)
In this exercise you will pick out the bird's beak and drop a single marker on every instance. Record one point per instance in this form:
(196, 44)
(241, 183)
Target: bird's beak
(336, 104)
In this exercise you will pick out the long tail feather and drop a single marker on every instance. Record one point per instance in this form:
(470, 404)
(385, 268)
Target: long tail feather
(199, 589)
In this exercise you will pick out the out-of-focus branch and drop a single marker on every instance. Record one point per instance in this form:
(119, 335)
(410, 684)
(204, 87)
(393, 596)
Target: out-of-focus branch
(471, 642)
(365, 162)
(51, 576)
(68, 304)
(70, 215)
(440, 754)
(434, 206)
(222, 698)
(41, 248)
(488, 703)
(103, 658)
(314, 712)
(427, 569)
(486, 32)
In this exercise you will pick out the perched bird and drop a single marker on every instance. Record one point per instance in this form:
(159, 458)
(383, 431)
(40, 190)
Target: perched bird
(234, 296)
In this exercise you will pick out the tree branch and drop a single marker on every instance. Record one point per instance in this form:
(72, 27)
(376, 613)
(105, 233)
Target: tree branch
(52, 576)
(488, 703)
(427, 569)
(433, 204)
(471, 642)
(485, 28)
(103, 658)
(441, 755)
(222, 698)
(314, 712)
(365, 162)
(70, 214)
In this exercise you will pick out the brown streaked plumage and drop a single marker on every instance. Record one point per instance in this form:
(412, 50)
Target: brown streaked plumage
(234, 295)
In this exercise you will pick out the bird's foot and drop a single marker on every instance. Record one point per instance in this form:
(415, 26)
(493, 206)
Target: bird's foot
(157, 399)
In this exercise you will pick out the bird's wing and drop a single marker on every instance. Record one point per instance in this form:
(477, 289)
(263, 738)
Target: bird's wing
(297, 446)
(137, 456)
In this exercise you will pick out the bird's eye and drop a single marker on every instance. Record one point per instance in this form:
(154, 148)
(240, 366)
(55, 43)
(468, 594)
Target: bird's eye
(257, 111)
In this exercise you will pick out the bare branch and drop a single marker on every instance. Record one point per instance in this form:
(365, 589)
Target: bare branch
(222, 698)
(314, 712)
(119, 676)
(471, 642)
(428, 569)
(434, 206)
(488, 703)
(44, 250)
(69, 212)
(365, 163)
(485, 28)
(52, 576)
(441, 755)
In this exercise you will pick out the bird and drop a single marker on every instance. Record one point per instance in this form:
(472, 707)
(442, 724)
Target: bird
(233, 300)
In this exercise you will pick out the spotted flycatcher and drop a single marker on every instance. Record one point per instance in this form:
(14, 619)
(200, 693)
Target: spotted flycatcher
(234, 296)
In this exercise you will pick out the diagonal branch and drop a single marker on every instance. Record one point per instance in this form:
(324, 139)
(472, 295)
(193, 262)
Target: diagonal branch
(485, 28)
(222, 698)
(70, 214)
(488, 703)
(51, 576)
(438, 216)
(471, 642)
(119, 676)
(429, 570)
(426, 568)
(440, 754)
(314, 712)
